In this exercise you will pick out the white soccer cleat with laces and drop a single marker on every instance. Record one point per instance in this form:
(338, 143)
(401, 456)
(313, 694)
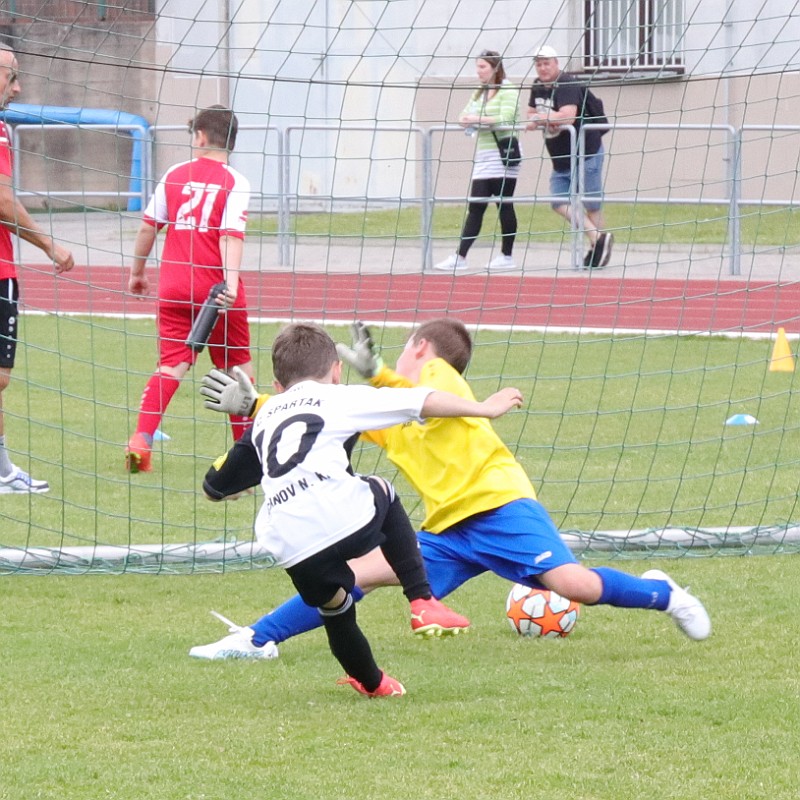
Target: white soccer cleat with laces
(19, 482)
(688, 612)
(238, 644)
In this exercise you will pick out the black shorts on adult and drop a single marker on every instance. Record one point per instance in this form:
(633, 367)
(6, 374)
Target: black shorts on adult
(320, 576)
(9, 317)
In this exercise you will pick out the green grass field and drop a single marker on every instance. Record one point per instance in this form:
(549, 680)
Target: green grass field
(102, 701)
(616, 433)
(631, 223)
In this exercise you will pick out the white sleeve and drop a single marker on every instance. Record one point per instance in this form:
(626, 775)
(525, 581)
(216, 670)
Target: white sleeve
(234, 217)
(370, 409)
(156, 210)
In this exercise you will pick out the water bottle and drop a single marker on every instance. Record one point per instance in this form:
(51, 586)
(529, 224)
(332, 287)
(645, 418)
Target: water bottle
(470, 130)
(205, 321)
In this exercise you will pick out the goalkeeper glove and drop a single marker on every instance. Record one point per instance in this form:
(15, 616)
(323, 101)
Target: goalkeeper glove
(363, 356)
(230, 395)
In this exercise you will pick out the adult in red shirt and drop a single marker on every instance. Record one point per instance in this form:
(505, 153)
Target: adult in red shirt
(203, 205)
(15, 219)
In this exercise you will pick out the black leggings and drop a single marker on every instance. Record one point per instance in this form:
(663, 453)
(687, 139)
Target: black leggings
(490, 187)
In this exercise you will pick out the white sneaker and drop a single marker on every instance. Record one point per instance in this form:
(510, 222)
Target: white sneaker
(235, 645)
(451, 263)
(19, 482)
(501, 262)
(688, 612)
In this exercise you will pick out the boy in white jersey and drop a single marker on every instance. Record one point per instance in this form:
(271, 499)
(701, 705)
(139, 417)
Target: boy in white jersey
(316, 513)
(481, 509)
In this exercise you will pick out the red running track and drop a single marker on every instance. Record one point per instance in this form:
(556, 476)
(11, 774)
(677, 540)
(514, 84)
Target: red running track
(586, 301)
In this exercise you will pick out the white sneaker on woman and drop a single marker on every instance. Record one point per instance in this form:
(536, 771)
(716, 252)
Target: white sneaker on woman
(452, 263)
(501, 262)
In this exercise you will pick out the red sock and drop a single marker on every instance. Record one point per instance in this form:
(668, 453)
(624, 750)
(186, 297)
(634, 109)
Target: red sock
(156, 397)
(239, 425)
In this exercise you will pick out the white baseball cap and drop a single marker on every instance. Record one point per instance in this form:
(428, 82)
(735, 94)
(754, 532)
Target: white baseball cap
(546, 52)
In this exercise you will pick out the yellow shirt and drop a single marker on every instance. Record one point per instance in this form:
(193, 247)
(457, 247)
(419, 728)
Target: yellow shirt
(459, 466)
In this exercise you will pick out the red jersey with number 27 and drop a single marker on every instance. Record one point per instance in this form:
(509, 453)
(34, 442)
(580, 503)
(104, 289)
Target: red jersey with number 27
(201, 201)
(8, 269)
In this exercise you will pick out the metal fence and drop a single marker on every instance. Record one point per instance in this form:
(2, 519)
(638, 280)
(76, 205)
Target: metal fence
(287, 200)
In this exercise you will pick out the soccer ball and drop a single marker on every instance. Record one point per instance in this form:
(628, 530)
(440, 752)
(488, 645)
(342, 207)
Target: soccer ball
(540, 612)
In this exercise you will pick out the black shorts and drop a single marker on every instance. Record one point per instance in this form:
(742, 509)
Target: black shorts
(9, 317)
(318, 577)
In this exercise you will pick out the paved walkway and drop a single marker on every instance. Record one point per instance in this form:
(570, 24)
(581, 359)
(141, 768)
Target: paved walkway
(106, 239)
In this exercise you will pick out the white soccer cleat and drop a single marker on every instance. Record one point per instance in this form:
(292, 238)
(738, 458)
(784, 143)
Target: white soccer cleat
(501, 263)
(239, 644)
(688, 612)
(453, 263)
(19, 482)
(235, 645)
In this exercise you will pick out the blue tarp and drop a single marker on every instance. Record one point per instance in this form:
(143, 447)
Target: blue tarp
(24, 114)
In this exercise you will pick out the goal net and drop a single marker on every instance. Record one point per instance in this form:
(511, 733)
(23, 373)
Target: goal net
(661, 413)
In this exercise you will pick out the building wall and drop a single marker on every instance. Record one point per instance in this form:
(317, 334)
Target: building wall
(333, 69)
(88, 66)
(652, 163)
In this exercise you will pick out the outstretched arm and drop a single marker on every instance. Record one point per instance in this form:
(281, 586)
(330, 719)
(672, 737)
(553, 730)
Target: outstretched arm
(444, 404)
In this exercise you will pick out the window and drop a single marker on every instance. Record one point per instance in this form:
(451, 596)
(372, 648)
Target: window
(633, 34)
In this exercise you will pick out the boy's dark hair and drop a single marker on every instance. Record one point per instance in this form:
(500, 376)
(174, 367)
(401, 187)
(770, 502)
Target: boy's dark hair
(450, 338)
(302, 351)
(219, 124)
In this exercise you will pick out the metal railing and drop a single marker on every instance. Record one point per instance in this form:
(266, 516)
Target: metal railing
(145, 166)
(287, 200)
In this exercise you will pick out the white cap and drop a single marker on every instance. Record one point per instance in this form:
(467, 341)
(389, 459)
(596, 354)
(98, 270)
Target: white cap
(545, 51)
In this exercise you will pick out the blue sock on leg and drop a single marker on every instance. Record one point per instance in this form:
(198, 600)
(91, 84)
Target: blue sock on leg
(629, 591)
(290, 619)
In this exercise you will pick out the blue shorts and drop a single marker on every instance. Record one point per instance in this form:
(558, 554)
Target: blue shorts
(517, 541)
(592, 184)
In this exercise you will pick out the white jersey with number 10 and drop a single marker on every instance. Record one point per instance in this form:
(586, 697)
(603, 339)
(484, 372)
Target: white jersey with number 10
(311, 500)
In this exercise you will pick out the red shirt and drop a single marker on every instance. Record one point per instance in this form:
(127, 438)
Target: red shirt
(8, 268)
(200, 201)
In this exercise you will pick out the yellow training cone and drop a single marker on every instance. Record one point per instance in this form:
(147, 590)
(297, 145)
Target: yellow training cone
(782, 359)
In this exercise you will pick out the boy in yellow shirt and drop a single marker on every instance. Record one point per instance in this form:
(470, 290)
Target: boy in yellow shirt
(481, 509)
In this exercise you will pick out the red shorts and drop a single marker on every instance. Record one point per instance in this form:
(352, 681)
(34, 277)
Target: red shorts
(228, 345)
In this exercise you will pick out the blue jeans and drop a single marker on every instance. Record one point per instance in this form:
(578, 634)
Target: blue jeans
(560, 183)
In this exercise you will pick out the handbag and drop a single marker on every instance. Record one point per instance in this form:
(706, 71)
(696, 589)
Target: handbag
(510, 154)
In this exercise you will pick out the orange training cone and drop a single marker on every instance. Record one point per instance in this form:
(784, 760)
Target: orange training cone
(782, 359)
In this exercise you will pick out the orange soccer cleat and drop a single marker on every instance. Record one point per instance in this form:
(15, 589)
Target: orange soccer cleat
(432, 618)
(388, 687)
(138, 454)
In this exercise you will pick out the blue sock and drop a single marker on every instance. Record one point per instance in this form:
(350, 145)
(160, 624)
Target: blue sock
(290, 619)
(629, 591)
